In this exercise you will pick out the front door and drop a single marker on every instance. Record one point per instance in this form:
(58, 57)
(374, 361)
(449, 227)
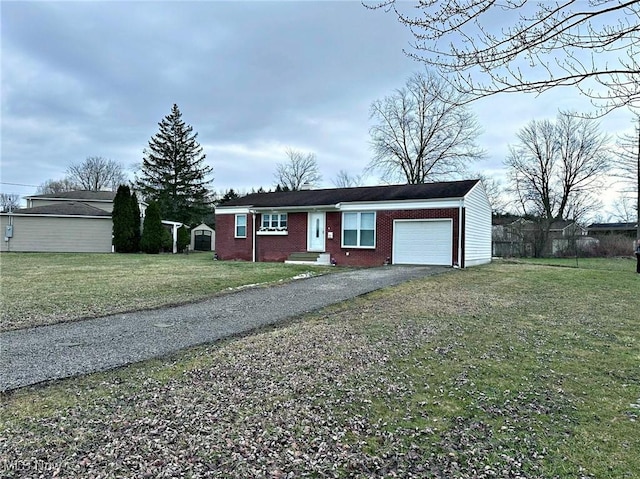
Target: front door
(315, 233)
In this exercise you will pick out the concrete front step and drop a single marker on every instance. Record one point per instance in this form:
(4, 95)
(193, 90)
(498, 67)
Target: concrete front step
(309, 258)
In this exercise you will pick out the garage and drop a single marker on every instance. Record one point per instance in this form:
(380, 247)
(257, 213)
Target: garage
(423, 242)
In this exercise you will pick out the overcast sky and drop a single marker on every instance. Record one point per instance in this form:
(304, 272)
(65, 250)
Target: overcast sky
(84, 79)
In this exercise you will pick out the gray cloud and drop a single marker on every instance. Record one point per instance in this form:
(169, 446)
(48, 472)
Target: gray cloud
(94, 78)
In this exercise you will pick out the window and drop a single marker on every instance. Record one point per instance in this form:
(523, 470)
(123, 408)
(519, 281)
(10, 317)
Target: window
(241, 226)
(274, 221)
(359, 230)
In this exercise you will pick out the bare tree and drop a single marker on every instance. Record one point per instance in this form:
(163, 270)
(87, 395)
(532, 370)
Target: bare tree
(422, 133)
(624, 209)
(300, 168)
(549, 44)
(9, 202)
(495, 192)
(97, 173)
(57, 186)
(556, 167)
(344, 179)
(628, 166)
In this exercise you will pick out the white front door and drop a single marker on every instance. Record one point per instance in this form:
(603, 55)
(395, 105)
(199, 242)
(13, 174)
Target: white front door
(315, 232)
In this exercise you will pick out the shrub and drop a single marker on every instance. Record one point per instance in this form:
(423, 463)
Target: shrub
(614, 245)
(184, 238)
(151, 240)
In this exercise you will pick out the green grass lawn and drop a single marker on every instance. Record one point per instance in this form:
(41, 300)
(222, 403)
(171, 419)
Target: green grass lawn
(505, 370)
(41, 288)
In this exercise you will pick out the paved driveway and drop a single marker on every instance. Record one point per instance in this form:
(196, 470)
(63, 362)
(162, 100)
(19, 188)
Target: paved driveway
(30, 356)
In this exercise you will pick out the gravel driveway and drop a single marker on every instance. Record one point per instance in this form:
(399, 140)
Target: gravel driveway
(30, 356)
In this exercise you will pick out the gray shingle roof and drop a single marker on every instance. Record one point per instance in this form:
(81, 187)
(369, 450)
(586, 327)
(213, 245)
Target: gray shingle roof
(331, 196)
(82, 195)
(65, 208)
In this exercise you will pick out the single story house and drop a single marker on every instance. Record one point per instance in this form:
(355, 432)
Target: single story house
(446, 223)
(629, 229)
(203, 238)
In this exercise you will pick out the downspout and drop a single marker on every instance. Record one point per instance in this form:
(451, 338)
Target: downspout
(253, 236)
(460, 260)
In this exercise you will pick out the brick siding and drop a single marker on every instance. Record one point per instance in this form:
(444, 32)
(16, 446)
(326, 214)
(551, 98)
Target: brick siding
(278, 248)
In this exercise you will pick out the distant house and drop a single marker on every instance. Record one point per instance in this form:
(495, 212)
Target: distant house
(445, 223)
(607, 229)
(68, 222)
(519, 237)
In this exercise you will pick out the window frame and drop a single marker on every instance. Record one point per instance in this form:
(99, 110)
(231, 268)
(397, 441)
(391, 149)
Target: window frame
(275, 221)
(237, 226)
(358, 230)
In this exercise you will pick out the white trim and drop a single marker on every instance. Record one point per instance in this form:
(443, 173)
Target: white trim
(375, 232)
(322, 233)
(233, 210)
(41, 215)
(272, 233)
(235, 225)
(400, 205)
(57, 198)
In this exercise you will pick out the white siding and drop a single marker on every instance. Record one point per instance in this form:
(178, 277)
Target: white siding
(57, 234)
(477, 225)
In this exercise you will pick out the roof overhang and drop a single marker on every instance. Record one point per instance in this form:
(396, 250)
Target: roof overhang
(44, 215)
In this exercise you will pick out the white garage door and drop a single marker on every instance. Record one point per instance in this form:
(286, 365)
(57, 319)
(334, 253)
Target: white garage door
(423, 242)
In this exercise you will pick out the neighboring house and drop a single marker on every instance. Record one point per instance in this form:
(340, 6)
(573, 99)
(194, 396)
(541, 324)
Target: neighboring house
(203, 238)
(565, 236)
(606, 229)
(434, 223)
(511, 237)
(514, 236)
(69, 222)
(77, 221)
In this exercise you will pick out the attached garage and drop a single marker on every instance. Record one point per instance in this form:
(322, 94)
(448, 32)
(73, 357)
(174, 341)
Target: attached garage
(423, 242)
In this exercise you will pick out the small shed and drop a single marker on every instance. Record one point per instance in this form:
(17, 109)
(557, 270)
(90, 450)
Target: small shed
(203, 238)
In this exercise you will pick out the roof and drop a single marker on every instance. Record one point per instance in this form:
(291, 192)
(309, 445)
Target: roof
(83, 195)
(613, 226)
(67, 208)
(331, 196)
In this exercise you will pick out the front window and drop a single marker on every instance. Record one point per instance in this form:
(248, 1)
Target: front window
(274, 222)
(358, 230)
(241, 226)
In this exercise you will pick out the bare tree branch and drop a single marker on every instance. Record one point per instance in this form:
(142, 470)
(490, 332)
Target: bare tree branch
(628, 167)
(555, 168)
(546, 45)
(344, 179)
(96, 173)
(300, 168)
(9, 202)
(422, 133)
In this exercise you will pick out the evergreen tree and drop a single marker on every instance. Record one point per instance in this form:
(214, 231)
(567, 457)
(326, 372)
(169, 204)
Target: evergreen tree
(184, 238)
(123, 222)
(228, 196)
(135, 210)
(151, 240)
(174, 172)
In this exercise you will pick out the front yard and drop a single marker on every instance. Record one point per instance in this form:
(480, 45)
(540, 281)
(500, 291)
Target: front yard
(41, 288)
(506, 370)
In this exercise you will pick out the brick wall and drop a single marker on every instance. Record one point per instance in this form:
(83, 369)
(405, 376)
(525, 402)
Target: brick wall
(278, 248)
(227, 246)
(384, 236)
